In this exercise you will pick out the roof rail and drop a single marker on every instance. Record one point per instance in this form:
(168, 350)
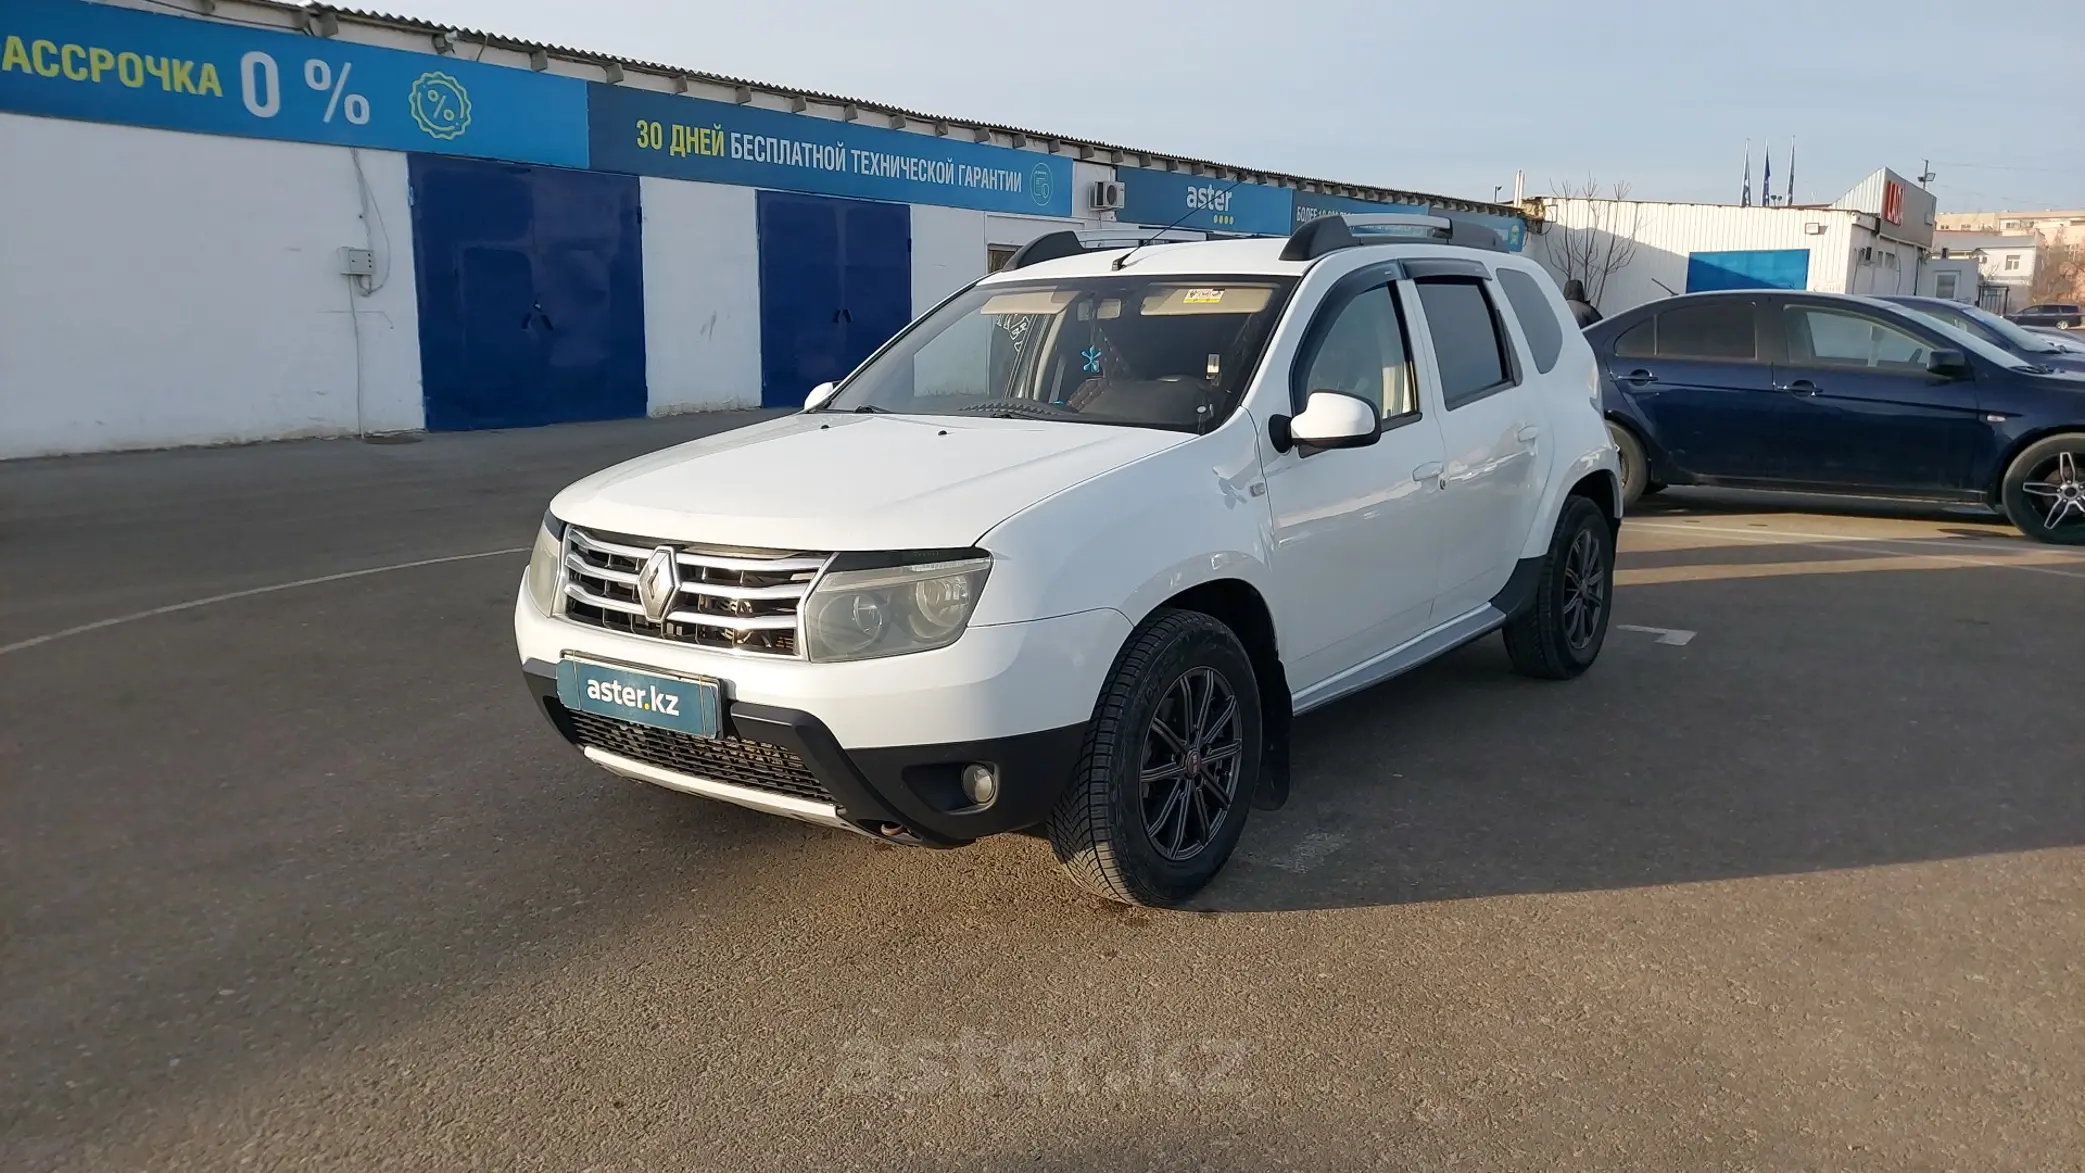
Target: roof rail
(1050, 246)
(1328, 234)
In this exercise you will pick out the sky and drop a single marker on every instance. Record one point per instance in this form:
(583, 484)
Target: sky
(1428, 96)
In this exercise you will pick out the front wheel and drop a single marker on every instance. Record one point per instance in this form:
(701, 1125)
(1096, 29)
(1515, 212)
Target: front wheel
(1559, 636)
(2045, 490)
(1171, 763)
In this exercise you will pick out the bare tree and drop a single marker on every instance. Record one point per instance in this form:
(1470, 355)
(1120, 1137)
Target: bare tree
(2059, 270)
(1604, 244)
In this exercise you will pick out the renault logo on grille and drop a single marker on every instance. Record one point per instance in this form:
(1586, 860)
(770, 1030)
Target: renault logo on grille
(658, 584)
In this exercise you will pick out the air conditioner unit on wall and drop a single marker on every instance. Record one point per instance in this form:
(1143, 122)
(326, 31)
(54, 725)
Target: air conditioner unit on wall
(1107, 196)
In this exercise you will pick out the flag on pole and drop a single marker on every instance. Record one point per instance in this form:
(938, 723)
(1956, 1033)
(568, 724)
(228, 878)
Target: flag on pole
(1766, 179)
(1791, 171)
(1745, 201)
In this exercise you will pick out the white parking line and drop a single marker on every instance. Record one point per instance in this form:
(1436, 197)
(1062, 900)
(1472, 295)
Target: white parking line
(1674, 636)
(1864, 545)
(192, 604)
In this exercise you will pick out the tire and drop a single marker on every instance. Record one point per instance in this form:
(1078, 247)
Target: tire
(1556, 638)
(1636, 468)
(1152, 842)
(2044, 490)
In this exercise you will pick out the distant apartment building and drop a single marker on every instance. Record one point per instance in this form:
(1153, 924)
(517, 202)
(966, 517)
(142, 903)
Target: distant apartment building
(2048, 224)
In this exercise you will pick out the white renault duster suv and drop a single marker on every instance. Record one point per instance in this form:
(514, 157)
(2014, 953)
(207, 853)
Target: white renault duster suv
(1072, 551)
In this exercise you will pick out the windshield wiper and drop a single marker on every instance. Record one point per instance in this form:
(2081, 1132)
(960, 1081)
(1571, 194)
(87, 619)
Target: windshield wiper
(871, 409)
(1018, 409)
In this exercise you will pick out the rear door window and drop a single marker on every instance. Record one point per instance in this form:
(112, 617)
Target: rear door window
(1719, 331)
(1468, 346)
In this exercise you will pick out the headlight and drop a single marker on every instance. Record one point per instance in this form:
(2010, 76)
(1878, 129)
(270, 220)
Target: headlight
(873, 605)
(544, 562)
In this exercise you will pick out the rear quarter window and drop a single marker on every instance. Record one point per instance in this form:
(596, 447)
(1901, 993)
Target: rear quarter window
(1638, 341)
(1538, 319)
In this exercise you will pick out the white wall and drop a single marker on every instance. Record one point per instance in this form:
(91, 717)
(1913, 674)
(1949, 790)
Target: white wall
(160, 289)
(1891, 268)
(1964, 269)
(948, 252)
(1666, 234)
(701, 295)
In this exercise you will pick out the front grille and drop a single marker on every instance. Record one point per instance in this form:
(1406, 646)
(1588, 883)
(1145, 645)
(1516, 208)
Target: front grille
(733, 600)
(721, 759)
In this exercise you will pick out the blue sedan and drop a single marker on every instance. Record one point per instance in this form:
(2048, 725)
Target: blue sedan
(1818, 392)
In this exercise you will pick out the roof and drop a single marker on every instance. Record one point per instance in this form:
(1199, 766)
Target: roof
(1569, 199)
(307, 14)
(1254, 257)
(1976, 240)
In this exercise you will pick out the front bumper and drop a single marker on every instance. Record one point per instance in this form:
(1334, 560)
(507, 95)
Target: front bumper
(787, 762)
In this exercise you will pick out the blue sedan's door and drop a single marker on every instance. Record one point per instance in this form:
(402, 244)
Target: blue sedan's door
(1696, 374)
(1864, 411)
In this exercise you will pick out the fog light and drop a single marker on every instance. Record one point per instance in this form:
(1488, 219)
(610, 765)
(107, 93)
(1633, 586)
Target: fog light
(980, 783)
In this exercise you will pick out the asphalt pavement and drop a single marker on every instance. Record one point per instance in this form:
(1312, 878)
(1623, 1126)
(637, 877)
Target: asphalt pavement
(294, 877)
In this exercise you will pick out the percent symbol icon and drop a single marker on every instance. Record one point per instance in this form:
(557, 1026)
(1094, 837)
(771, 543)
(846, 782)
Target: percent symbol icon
(320, 76)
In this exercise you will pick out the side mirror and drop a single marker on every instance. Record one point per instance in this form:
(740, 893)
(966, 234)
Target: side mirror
(819, 395)
(1948, 364)
(1335, 419)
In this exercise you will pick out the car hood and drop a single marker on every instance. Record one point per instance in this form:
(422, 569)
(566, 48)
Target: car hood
(2054, 380)
(851, 482)
(2061, 361)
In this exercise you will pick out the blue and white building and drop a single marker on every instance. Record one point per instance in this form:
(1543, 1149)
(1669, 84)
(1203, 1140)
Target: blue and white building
(236, 220)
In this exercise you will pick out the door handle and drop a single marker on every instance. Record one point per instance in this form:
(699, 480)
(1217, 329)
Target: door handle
(1527, 435)
(1637, 377)
(1430, 471)
(1803, 387)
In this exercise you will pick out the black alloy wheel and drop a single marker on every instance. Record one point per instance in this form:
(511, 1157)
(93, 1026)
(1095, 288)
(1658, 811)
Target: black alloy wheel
(1193, 753)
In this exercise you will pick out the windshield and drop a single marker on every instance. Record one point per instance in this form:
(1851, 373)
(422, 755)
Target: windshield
(1136, 351)
(1991, 324)
(1961, 337)
(2013, 335)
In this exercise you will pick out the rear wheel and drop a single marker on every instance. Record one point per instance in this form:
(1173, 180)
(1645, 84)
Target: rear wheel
(1171, 763)
(1636, 469)
(2045, 490)
(1560, 636)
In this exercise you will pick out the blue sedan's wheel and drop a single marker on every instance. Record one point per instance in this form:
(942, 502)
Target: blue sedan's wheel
(2045, 490)
(1636, 469)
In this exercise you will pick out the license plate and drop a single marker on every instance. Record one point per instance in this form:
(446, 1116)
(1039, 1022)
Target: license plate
(686, 706)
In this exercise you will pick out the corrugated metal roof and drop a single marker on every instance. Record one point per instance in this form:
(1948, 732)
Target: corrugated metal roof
(1108, 150)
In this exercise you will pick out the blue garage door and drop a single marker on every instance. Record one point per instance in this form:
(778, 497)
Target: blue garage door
(835, 284)
(531, 284)
(1773, 268)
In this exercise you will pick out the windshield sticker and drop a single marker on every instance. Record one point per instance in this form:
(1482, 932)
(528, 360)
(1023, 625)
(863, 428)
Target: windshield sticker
(1203, 297)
